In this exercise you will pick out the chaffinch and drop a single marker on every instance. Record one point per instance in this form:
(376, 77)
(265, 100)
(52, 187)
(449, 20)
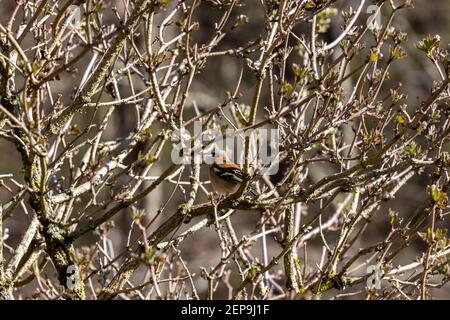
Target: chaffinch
(226, 177)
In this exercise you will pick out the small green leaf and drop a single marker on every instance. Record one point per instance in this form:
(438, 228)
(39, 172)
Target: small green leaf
(429, 45)
(310, 5)
(146, 134)
(374, 55)
(400, 119)
(436, 193)
(149, 256)
(286, 88)
(440, 233)
(150, 159)
(396, 53)
(300, 71)
(411, 148)
(253, 272)
(393, 218)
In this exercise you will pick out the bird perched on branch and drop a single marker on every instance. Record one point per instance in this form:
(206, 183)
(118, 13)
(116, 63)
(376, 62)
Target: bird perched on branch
(226, 176)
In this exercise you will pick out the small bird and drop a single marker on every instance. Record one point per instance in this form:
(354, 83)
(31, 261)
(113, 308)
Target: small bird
(226, 177)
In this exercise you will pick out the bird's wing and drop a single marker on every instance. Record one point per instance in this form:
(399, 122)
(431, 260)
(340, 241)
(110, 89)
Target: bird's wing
(229, 172)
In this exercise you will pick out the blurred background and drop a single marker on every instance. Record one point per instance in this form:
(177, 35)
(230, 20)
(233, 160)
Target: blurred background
(208, 90)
